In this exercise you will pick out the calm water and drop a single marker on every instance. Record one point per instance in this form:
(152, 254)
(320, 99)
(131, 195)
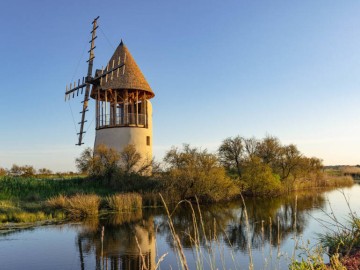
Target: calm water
(81, 246)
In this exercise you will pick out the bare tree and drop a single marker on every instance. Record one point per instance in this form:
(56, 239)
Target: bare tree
(231, 153)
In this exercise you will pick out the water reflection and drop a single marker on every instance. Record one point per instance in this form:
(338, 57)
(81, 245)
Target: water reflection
(270, 220)
(128, 240)
(121, 241)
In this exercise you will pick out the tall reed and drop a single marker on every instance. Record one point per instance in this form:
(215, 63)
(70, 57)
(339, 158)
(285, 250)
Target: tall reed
(124, 202)
(77, 206)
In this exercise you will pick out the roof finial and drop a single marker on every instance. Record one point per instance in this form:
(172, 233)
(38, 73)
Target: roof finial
(121, 42)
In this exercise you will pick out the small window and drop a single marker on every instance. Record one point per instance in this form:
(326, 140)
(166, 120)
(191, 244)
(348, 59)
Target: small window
(147, 140)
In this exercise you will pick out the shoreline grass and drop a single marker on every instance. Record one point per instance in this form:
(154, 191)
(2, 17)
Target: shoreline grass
(124, 202)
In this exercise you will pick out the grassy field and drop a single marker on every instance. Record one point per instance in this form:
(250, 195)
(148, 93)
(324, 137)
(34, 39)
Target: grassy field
(30, 199)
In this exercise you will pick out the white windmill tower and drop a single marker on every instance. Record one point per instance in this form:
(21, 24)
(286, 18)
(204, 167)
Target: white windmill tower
(123, 108)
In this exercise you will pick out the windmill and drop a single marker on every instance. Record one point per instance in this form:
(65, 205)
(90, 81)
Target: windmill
(121, 92)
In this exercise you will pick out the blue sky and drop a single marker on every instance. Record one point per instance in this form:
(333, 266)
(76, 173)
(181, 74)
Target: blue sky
(218, 69)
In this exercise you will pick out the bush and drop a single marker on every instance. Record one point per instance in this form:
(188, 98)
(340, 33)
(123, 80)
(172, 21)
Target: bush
(259, 178)
(194, 172)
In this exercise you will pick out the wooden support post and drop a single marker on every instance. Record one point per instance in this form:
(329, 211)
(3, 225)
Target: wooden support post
(105, 107)
(137, 107)
(126, 107)
(146, 112)
(102, 113)
(97, 109)
(115, 109)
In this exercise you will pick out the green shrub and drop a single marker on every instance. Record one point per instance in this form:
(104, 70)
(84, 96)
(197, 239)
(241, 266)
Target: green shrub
(259, 178)
(195, 172)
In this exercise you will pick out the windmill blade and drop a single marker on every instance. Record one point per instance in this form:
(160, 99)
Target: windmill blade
(83, 113)
(88, 81)
(75, 88)
(106, 72)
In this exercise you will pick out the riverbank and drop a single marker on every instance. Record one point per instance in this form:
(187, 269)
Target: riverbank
(26, 200)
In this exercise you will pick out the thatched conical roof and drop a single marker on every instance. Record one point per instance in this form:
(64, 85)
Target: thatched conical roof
(132, 78)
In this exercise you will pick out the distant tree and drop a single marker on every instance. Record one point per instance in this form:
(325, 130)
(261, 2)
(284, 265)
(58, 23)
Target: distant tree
(2, 171)
(15, 170)
(25, 171)
(231, 154)
(44, 171)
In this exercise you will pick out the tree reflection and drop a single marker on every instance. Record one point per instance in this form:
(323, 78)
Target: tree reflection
(271, 220)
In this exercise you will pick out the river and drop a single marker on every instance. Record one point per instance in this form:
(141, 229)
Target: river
(221, 238)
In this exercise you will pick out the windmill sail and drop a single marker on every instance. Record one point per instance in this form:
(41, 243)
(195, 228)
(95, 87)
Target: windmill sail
(107, 74)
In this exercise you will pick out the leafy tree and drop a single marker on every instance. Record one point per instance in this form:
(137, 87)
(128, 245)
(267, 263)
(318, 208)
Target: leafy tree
(289, 161)
(231, 153)
(195, 172)
(259, 178)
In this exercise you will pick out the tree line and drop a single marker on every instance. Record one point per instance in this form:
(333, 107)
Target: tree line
(30, 171)
(247, 165)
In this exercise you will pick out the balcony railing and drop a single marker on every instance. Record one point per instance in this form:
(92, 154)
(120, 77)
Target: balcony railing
(130, 119)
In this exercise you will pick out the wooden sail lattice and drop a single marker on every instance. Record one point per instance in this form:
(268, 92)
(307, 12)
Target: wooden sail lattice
(89, 80)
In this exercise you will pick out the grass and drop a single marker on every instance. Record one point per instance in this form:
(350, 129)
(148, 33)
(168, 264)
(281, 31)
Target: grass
(342, 238)
(124, 202)
(25, 212)
(34, 189)
(21, 195)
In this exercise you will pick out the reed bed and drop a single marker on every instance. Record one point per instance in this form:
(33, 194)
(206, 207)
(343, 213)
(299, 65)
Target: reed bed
(77, 206)
(124, 202)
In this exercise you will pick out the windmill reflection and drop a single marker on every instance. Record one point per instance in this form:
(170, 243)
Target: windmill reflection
(122, 241)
